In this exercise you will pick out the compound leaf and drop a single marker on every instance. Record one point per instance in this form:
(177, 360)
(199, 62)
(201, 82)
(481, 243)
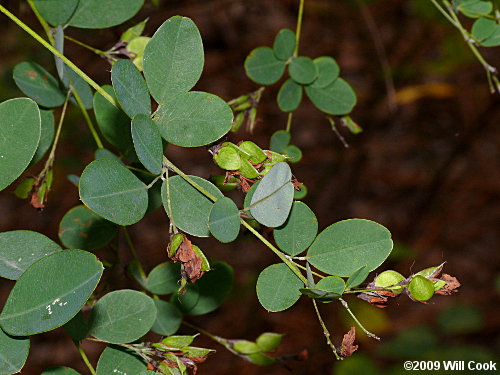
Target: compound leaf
(338, 98)
(147, 142)
(224, 220)
(328, 71)
(278, 288)
(284, 44)
(289, 96)
(130, 88)
(303, 70)
(263, 67)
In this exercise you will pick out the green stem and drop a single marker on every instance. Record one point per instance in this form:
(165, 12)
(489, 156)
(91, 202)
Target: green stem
(289, 122)
(298, 29)
(133, 251)
(325, 330)
(87, 118)
(169, 204)
(95, 50)
(85, 359)
(42, 21)
(140, 170)
(368, 333)
(68, 62)
(217, 339)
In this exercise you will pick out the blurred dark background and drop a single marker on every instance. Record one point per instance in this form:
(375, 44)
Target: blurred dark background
(426, 166)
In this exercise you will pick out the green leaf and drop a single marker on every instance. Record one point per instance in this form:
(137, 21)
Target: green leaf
(338, 98)
(38, 84)
(300, 194)
(284, 44)
(82, 88)
(147, 142)
(279, 141)
(208, 293)
(112, 191)
(256, 154)
(260, 359)
(474, 8)
(248, 199)
(60, 370)
(347, 245)
(289, 96)
(303, 70)
(298, 231)
(19, 249)
(269, 341)
(246, 347)
(248, 170)
(168, 318)
(130, 88)
(293, 153)
(388, 279)
(194, 119)
(24, 188)
(136, 49)
(272, 200)
(50, 292)
(102, 153)
(190, 208)
(173, 59)
(224, 220)
(420, 288)
(13, 353)
(80, 228)
(278, 288)
(46, 135)
(179, 341)
(428, 272)
(320, 295)
(357, 277)
(263, 67)
(98, 14)
(77, 328)
(20, 130)
(328, 71)
(228, 158)
(114, 123)
(134, 31)
(332, 284)
(163, 279)
(122, 316)
(119, 361)
(487, 32)
(56, 12)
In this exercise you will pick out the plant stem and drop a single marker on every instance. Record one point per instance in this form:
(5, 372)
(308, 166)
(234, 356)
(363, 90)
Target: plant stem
(87, 118)
(172, 228)
(52, 153)
(140, 170)
(133, 251)
(68, 62)
(368, 333)
(298, 29)
(85, 359)
(325, 330)
(289, 122)
(42, 21)
(95, 50)
(217, 339)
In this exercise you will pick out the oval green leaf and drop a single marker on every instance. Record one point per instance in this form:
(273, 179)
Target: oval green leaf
(98, 14)
(147, 142)
(194, 119)
(487, 32)
(289, 96)
(328, 71)
(208, 293)
(20, 134)
(112, 191)
(122, 316)
(130, 88)
(50, 292)
(119, 361)
(38, 84)
(474, 8)
(173, 59)
(272, 200)
(168, 318)
(163, 279)
(284, 44)
(279, 141)
(420, 288)
(83, 89)
(224, 220)
(278, 288)
(338, 98)
(347, 245)
(332, 284)
(303, 70)
(190, 208)
(263, 67)
(80, 228)
(293, 153)
(46, 135)
(114, 123)
(299, 230)
(56, 12)
(19, 249)
(60, 370)
(357, 277)
(13, 353)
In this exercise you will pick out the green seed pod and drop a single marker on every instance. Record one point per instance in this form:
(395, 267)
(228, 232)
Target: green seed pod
(252, 116)
(231, 184)
(228, 158)
(269, 341)
(246, 347)
(242, 107)
(420, 288)
(237, 122)
(205, 265)
(240, 151)
(247, 170)
(257, 155)
(174, 244)
(239, 100)
(389, 279)
(353, 127)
